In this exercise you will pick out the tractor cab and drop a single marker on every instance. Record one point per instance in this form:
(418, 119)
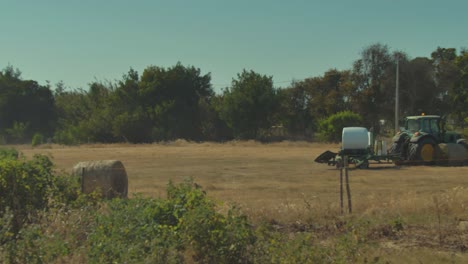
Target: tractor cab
(417, 126)
(429, 125)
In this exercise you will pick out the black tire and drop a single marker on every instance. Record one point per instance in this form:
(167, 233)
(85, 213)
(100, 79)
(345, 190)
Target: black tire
(399, 149)
(413, 152)
(394, 149)
(422, 152)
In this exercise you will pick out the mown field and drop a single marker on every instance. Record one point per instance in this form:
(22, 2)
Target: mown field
(411, 213)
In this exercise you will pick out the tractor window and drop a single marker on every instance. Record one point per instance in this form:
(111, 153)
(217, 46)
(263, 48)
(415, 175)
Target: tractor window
(413, 125)
(434, 126)
(425, 126)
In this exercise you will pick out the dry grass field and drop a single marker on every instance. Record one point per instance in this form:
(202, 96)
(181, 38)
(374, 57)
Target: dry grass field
(280, 183)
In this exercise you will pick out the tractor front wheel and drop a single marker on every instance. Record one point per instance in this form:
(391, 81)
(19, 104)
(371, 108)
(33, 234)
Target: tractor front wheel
(422, 151)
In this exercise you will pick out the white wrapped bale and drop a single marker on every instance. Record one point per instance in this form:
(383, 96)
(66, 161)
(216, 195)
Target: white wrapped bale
(107, 176)
(355, 138)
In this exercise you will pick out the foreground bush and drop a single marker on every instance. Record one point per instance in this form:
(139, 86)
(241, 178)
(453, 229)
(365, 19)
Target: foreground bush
(161, 231)
(25, 187)
(8, 153)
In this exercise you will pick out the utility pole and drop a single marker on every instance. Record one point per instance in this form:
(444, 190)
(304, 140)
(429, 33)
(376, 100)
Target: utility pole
(396, 94)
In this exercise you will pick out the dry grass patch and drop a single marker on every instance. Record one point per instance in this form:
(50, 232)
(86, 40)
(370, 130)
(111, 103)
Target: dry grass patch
(280, 183)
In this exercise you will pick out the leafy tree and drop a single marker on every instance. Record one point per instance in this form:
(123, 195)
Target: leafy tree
(129, 120)
(213, 126)
(294, 110)
(162, 104)
(72, 109)
(369, 75)
(329, 94)
(418, 90)
(249, 104)
(450, 71)
(25, 106)
(132, 126)
(97, 127)
(307, 101)
(459, 94)
(172, 99)
(84, 116)
(441, 55)
(445, 74)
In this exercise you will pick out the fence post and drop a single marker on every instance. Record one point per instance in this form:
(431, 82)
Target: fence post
(348, 189)
(341, 190)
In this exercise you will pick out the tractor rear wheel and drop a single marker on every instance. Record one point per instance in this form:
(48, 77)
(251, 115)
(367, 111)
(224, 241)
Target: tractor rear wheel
(422, 152)
(399, 148)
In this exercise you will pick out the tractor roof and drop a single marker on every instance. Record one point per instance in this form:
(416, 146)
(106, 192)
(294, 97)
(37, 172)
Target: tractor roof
(422, 116)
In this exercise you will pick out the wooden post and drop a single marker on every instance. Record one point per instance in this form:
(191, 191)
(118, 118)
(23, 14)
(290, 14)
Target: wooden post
(341, 190)
(348, 189)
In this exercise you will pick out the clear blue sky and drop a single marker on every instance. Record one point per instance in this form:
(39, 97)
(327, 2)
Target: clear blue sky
(82, 41)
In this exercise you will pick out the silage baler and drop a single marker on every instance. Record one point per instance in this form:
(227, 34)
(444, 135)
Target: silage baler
(358, 147)
(422, 140)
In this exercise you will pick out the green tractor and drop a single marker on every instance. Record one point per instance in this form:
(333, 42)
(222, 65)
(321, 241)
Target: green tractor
(423, 140)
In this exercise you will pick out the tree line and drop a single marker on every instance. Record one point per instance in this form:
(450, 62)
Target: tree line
(179, 102)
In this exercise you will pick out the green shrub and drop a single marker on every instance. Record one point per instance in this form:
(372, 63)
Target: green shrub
(30, 186)
(277, 247)
(31, 245)
(66, 190)
(37, 139)
(8, 153)
(6, 226)
(330, 129)
(134, 230)
(25, 187)
(216, 238)
(70, 135)
(161, 231)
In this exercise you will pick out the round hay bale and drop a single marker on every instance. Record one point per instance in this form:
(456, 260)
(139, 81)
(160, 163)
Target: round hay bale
(107, 176)
(451, 154)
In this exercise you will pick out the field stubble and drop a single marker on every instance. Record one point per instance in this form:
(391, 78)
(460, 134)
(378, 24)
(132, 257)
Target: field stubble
(280, 183)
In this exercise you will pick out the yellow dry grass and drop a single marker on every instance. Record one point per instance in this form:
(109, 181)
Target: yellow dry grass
(279, 181)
